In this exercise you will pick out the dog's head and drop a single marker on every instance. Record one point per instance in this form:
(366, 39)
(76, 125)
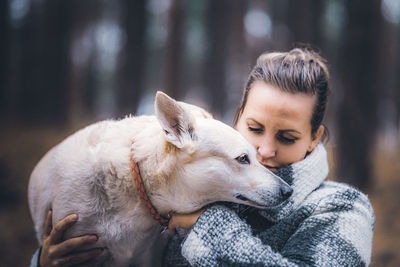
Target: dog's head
(212, 161)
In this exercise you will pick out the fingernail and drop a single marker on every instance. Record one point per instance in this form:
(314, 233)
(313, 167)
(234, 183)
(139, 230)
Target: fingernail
(73, 217)
(93, 238)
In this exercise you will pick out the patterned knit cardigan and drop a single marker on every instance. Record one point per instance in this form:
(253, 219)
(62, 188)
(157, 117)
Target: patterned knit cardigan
(321, 224)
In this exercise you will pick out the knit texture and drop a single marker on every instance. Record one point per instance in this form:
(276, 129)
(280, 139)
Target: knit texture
(321, 224)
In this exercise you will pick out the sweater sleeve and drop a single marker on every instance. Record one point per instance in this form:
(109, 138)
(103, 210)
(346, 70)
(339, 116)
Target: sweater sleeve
(336, 235)
(221, 238)
(35, 258)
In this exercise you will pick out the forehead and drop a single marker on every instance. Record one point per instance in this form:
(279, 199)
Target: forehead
(266, 102)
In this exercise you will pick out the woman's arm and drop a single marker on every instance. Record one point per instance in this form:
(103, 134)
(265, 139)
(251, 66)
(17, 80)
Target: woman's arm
(336, 235)
(55, 252)
(221, 238)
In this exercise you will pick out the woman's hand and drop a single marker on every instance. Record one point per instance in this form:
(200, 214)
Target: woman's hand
(184, 221)
(56, 252)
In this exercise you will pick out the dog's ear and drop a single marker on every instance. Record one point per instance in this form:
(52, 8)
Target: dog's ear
(177, 122)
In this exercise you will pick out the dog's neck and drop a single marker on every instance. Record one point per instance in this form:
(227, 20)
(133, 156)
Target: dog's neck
(157, 162)
(138, 182)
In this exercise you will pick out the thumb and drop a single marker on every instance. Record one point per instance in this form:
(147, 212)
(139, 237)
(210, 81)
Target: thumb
(48, 225)
(172, 226)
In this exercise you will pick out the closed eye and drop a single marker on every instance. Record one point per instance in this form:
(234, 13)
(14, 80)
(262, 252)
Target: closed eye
(243, 159)
(286, 140)
(256, 130)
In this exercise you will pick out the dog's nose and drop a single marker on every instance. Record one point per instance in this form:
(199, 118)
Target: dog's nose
(286, 191)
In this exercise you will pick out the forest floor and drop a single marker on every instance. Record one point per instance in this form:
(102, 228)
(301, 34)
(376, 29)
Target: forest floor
(22, 147)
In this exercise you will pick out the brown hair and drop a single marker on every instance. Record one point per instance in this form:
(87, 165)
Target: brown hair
(301, 70)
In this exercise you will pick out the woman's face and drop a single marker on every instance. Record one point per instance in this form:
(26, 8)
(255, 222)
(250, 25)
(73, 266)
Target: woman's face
(278, 124)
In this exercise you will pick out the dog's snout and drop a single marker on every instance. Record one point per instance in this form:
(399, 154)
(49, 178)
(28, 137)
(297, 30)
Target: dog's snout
(286, 191)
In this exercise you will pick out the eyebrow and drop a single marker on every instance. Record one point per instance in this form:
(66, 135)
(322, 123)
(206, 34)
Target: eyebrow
(290, 130)
(284, 130)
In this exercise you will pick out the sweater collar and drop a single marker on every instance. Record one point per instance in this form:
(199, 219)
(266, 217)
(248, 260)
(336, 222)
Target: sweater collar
(304, 177)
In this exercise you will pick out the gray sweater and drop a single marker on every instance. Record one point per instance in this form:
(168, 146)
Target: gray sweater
(322, 224)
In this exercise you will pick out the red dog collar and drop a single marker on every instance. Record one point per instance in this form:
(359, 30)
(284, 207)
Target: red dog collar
(137, 178)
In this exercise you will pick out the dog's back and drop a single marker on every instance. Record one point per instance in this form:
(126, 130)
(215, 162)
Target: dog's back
(88, 174)
(67, 167)
(40, 203)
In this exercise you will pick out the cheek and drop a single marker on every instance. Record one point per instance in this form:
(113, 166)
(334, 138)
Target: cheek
(251, 139)
(291, 153)
(240, 127)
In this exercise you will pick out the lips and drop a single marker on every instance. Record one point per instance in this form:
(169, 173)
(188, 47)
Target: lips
(271, 168)
(268, 166)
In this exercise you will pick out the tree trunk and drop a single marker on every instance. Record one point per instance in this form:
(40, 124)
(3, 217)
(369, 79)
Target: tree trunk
(132, 58)
(45, 39)
(174, 46)
(80, 63)
(304, 21)
(236, 68)
(4, 59)
(218, 27)
(396, 91)
(357, 119)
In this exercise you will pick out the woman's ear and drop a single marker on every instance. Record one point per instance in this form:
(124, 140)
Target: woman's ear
(316, 138)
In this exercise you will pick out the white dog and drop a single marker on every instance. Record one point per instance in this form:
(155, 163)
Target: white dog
(186, 160)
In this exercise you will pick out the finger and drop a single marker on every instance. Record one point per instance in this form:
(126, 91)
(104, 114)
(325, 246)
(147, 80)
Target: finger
(48, 225)
(86, 257)
(72, 244)
(172, 226)
(88, 264)
(172, 231)
(59, 229)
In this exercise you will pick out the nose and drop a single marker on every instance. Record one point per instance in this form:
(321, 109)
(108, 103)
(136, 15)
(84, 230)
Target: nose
(286, 191)
(266, 151)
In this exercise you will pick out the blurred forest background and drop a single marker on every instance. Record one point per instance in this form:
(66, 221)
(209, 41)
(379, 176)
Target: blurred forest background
(67, 63)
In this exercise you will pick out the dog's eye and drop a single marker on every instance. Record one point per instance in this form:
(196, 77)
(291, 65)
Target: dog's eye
(243, 159)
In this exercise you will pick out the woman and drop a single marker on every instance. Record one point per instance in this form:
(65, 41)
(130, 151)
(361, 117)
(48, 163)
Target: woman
(322, 223)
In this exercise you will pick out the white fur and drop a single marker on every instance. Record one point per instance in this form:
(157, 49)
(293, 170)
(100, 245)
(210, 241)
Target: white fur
(186, 158)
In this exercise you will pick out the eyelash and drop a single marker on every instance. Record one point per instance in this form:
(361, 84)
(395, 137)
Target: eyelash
(255, 130)
(280, 138)
(285, 140)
